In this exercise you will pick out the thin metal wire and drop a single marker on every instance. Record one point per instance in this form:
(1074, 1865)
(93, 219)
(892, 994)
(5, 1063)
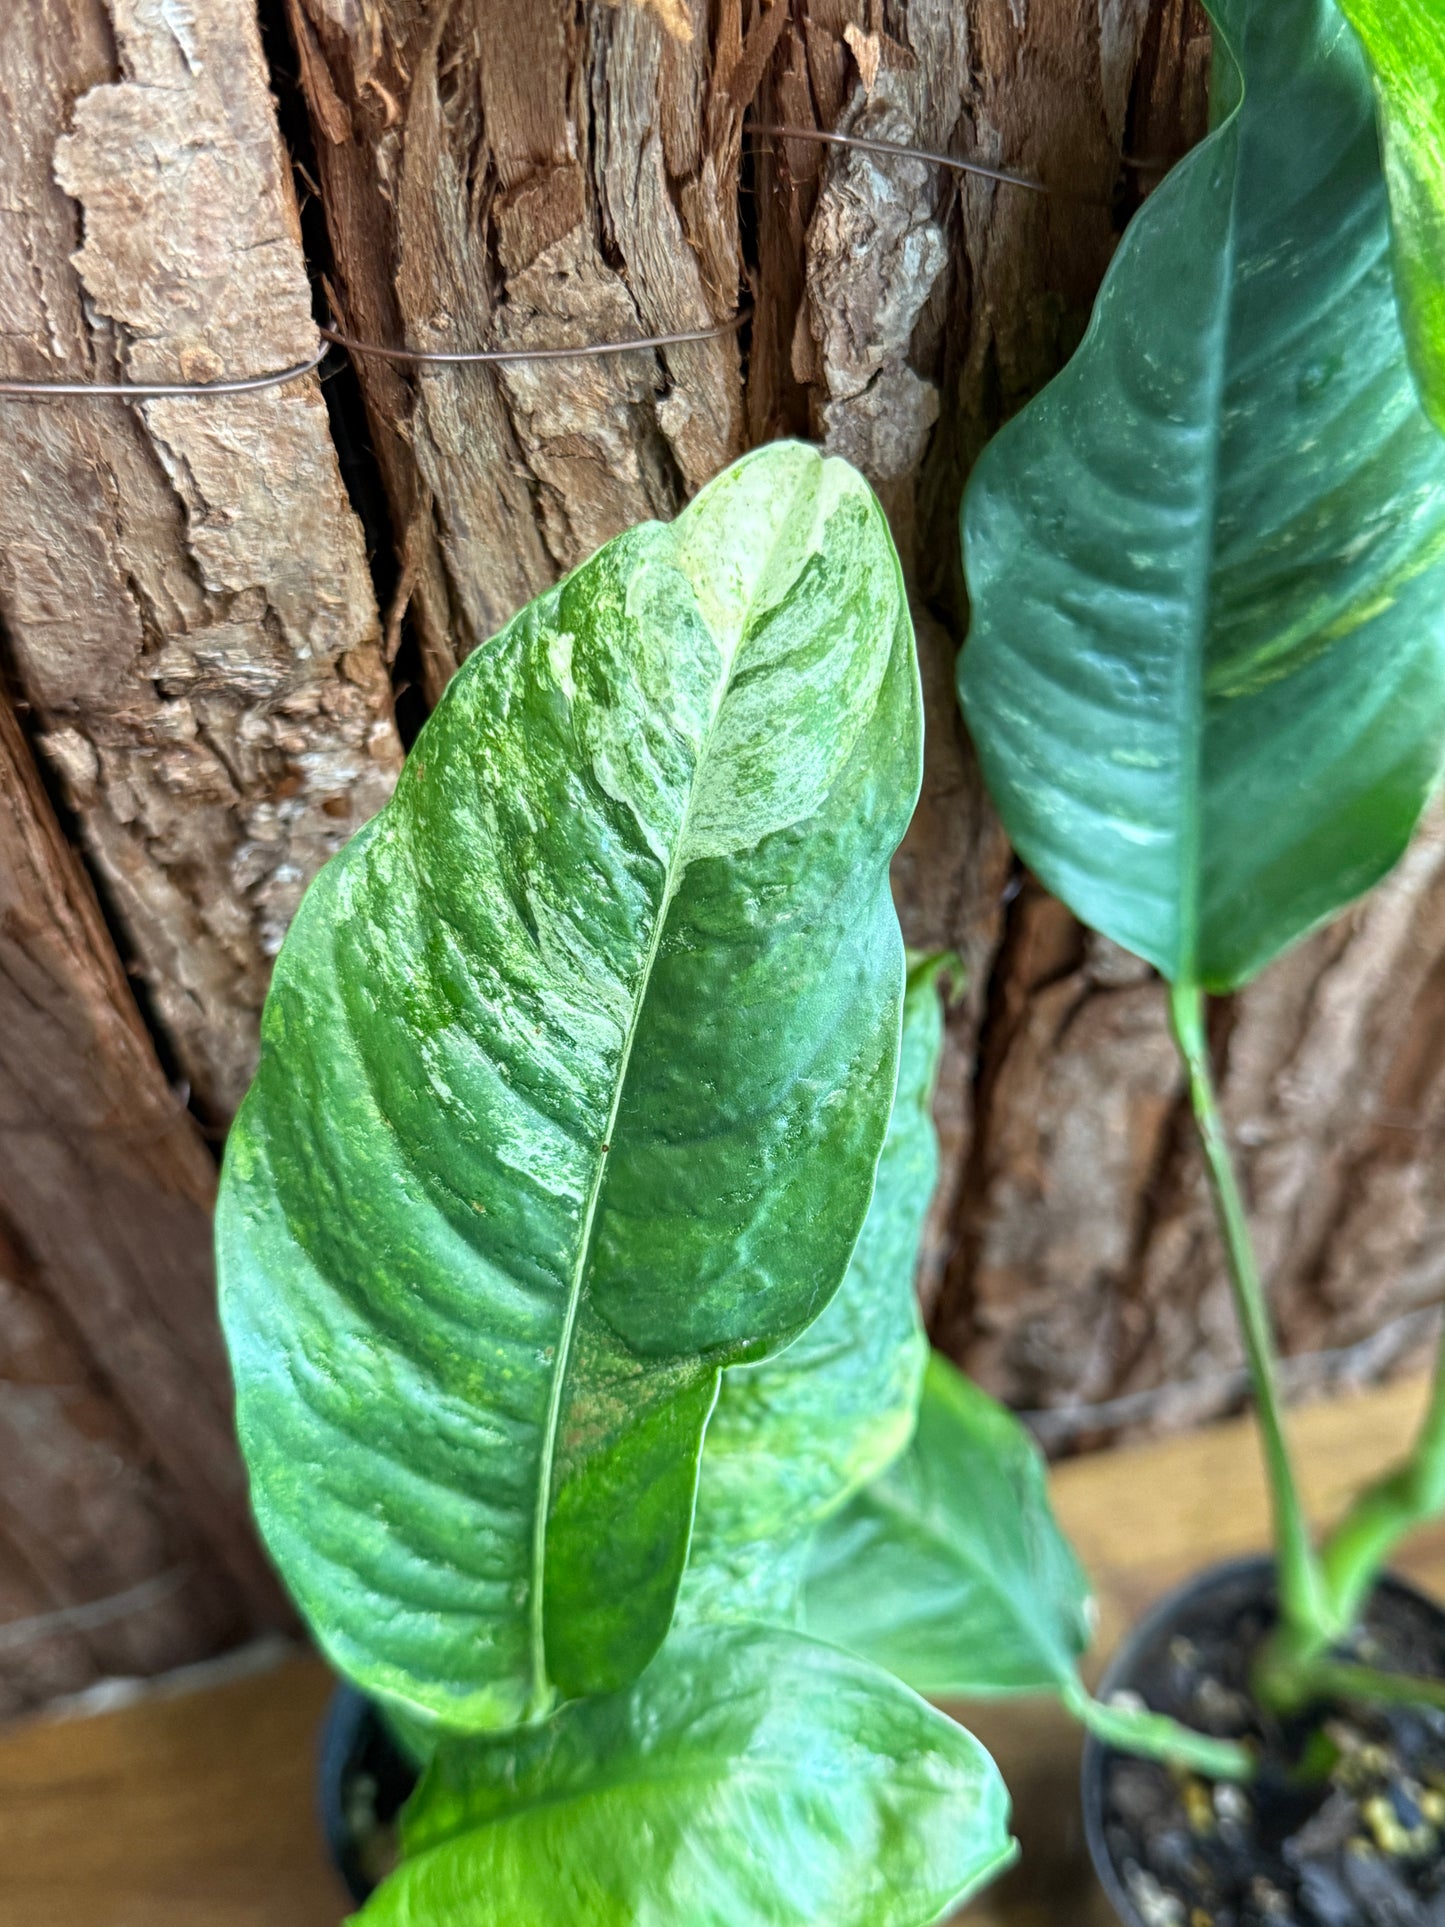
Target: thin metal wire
(333, 337)
(151, 390)
(455, 357)
(94, 1613)
(870, 145)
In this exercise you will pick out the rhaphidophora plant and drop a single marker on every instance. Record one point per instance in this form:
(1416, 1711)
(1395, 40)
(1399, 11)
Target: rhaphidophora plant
(576, 1073)
(1206, 671)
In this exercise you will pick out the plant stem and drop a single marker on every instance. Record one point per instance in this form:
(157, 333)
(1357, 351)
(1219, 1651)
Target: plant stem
(1382, 1514)
(1335, 1679)
(1157, 1737)
(1301, 1587)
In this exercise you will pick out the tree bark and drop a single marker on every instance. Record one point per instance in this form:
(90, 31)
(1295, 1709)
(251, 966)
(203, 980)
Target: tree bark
(117, 1469)
(183, 582)
(508, 176)
(192, 632)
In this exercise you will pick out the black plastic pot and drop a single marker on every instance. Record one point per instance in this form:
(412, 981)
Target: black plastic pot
(1239, 1595)
(362, 1782)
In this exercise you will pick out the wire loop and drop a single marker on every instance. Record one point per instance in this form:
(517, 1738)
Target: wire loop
(334, 337)
(461, 356)
(871, 145)
(152, 390)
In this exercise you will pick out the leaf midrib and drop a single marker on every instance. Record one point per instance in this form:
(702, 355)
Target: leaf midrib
(540, 1701)
(1192, 773)
(957, 1548)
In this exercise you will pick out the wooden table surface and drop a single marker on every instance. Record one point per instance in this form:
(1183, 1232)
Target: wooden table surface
(194, 1809)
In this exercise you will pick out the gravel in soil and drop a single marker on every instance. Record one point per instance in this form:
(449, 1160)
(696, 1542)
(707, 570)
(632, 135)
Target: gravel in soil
(1345, 1825)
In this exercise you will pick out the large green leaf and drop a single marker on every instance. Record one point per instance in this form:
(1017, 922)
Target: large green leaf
(793, 1438)
(1206, 672)
(576, 1068)
(750, 1778)
(950, 1570)
(1405, 40)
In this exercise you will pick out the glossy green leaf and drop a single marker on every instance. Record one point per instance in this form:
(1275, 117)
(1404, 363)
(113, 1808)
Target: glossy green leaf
(1206, 672)
(750, 1778)
(950, 1570)
(793, 1438)
(576, 1069)
(1405, 40)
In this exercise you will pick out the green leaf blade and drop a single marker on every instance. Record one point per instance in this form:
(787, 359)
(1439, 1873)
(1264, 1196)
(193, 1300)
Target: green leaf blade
(1405, 42)
(750, 1778)
(950, 1570)
(1206, 668)
(793, 1438)
(575, 1074)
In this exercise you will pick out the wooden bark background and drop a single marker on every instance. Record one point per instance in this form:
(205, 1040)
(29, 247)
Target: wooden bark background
(202, 663)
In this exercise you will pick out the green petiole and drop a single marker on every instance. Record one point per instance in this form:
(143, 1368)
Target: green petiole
(1338, 1679)
(1409, 1496)
(1155, 1736)
(1303, 1596)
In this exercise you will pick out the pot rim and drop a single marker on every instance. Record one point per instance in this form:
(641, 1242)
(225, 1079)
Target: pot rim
(349, 1717)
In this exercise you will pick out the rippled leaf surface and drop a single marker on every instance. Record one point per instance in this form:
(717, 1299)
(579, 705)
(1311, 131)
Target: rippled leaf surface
(793, 1438)
(1405, 40)
(950, 1570)
(1206, 672)
(575, 1073)
(750, 1778)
